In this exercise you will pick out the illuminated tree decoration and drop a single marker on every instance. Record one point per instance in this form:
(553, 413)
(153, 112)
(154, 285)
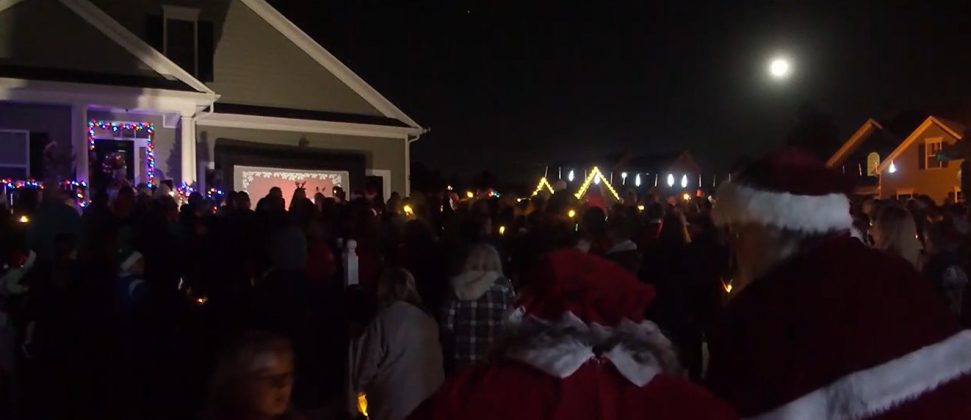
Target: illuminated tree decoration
(117, 129)
(543, 183)
(594, 174)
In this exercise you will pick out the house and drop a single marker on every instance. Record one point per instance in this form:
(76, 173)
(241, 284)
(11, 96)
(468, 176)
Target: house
(888, 165)
(217, 93)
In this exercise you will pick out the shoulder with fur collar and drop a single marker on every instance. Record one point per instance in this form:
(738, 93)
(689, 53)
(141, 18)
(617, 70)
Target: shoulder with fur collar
(639, 351)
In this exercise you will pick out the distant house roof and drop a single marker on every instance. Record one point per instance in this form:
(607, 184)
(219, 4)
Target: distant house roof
(954, 129)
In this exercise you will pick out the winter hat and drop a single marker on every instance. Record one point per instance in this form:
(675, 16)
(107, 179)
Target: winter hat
(587, 287)
(580, 307)
(788, 189)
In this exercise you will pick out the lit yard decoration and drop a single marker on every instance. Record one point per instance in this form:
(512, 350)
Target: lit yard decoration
(502, 230)
(115, 129)
(595, 175)
(684, 181)
(670, 180)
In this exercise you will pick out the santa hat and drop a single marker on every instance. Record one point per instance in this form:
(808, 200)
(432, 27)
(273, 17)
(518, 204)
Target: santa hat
(578, 307)
(790, 190)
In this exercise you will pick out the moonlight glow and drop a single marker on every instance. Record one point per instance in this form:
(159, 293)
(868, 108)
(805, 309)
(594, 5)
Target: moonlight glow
(779, 68)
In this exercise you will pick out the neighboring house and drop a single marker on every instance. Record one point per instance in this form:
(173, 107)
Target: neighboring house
(887, 165)
(224, 91)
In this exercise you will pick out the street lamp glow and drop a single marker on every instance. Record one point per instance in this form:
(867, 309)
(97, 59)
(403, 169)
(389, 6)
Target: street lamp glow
(637, 180)
(570, 175)
(684, 181)
(779, 68)
(670, 180)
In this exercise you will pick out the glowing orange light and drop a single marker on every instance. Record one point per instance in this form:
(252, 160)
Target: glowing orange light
(469, 194)
(362, 404)
(408, 210)
(502, 230)
(572, 213)
(686, 197)
(24, 219)
(640, 207)
(202, 300)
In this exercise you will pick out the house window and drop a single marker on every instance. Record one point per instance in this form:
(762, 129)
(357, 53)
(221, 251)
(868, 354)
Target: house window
(183, 38)
(872, 162)
(933, 146)
(180, 36)
(14, 154)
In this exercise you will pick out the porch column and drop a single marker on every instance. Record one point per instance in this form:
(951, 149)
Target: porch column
(188, 143)
(79, 141)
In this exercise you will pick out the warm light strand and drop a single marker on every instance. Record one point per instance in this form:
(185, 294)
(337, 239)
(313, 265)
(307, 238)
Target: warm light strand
(543, 183)
(594, 173)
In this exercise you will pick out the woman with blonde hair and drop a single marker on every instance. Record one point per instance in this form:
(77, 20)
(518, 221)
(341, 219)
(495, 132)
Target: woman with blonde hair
(895, 232)
(475, 309)
(397, 361)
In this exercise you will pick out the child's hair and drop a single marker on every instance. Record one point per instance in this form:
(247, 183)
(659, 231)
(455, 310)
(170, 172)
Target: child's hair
(236, 362)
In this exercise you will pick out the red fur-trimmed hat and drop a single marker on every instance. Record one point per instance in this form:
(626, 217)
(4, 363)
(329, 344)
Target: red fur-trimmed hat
(587, 287)
(788, 189)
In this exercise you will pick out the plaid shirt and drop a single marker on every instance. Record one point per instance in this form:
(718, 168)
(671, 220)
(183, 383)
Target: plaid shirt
(470, 326)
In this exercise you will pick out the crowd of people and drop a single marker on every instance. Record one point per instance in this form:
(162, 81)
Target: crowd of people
(757, 300)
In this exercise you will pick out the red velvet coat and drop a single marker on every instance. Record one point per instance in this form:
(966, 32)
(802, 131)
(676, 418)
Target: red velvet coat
(510, 390)
(841, 331)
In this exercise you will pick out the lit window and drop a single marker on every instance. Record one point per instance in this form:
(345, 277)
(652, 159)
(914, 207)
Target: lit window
(932, 148)
(872, 162)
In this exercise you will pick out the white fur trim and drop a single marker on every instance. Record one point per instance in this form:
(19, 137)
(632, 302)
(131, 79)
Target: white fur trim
(878, 389)
(739, 204)
(562, 355)
(625, 246)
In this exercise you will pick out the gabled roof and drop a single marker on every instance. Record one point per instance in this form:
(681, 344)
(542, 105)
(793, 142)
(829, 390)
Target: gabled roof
(950, 127)
(135, 45)
(328, 60)
(853, 142)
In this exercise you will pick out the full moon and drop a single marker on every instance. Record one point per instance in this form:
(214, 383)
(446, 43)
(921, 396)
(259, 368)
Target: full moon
(779, 68)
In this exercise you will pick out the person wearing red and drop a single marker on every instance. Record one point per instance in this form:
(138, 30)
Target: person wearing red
(819, 325)
(577, 347)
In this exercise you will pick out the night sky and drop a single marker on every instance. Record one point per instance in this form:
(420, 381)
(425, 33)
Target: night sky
(514, 86)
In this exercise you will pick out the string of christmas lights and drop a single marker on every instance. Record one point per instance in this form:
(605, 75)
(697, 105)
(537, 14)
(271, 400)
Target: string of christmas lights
(543, 183)
(593, 174)
(117, 128)
(77, 188)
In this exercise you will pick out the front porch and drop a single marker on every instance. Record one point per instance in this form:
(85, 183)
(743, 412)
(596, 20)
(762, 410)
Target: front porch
(68, 131)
